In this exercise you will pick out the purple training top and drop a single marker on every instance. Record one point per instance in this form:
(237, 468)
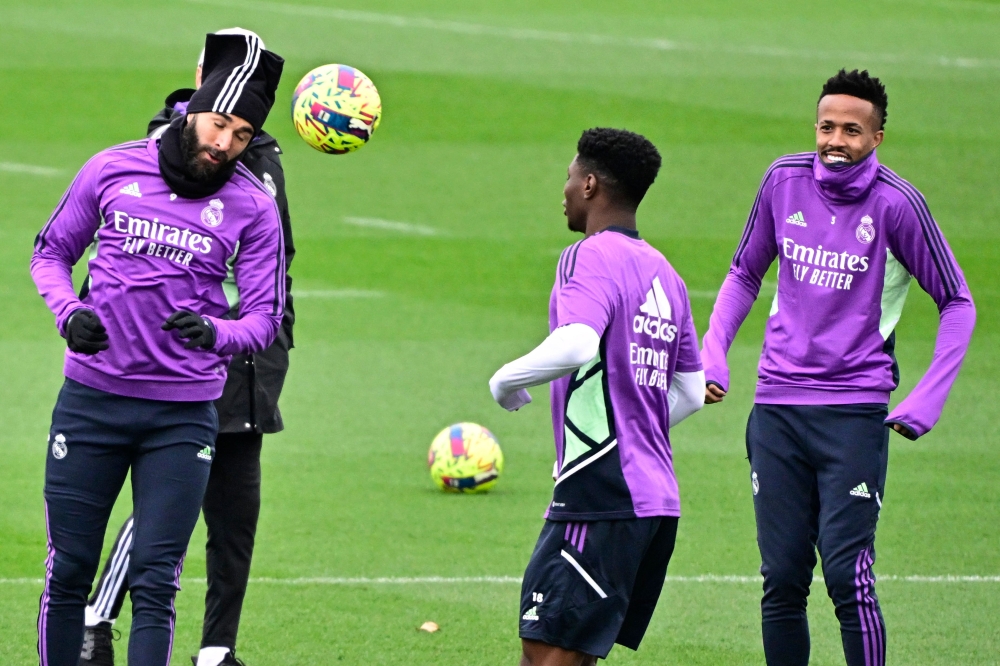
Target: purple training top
(610, 417)
(847, 239)
(155, 253)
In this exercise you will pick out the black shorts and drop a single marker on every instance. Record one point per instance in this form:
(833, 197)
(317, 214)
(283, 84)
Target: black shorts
(591, 585)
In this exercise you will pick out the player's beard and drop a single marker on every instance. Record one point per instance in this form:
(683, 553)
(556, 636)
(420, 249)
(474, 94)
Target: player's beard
(175, 166)
(198, 168)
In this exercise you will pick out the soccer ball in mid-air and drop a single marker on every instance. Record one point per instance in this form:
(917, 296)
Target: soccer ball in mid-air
(465, 458)
(336, 109)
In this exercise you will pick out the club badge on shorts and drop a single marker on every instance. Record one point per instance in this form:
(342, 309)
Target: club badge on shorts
(755, 483)
(59, 448)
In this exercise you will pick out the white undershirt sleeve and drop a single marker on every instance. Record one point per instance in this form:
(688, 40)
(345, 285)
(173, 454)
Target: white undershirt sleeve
(686, 395)
(566, 349)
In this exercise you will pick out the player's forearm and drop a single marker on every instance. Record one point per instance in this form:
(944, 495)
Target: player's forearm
(736, 298)
(686, 395)
(249, 334)
(565, 350)
(921, 409)
(54, 279)
(260, 281)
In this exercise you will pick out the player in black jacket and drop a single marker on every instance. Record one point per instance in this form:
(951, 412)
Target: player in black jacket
(248, 409)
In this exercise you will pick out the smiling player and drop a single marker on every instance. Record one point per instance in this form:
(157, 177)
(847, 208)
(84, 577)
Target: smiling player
(623, 361)
(848, 234)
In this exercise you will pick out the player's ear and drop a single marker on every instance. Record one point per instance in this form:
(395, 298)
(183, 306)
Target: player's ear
(589, 186)
(879, 135)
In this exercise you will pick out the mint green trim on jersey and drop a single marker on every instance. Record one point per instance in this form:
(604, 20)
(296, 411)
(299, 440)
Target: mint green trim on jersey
(894, 290)
(774, 302)
(586, 423)
(229, 287)
(574, 447)
(90, 258)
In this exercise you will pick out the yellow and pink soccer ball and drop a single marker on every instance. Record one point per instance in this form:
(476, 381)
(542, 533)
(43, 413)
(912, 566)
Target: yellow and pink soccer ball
(465, 458)
(336, 109)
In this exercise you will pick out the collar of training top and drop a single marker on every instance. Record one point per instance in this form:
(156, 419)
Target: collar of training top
(845, 183)
(631, 233)
(239, 78)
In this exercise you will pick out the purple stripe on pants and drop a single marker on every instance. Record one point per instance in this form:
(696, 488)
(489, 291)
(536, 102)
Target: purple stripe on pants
(879, 629)
(871, 626)
(173, 609)
(43, 606)
(583, 536)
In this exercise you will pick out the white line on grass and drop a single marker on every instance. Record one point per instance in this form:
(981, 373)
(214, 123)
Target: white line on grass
(479, 29)
(337, 293)
(819, 579)
(411, 580)
(389, 225)
(30, 169)
(387, 580)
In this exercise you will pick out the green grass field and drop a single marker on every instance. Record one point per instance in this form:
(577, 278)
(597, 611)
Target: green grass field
(398, 332)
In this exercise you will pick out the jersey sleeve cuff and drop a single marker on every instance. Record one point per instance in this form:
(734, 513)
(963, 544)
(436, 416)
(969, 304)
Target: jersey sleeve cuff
(909, 429)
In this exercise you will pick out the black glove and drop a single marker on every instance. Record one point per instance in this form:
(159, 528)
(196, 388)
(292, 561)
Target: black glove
(85, 334)
(198, 331)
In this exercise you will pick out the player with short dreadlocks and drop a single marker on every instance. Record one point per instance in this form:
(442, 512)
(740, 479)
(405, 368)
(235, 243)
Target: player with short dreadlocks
(848, 234)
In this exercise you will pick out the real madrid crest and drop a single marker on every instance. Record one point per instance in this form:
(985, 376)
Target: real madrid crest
(211, 215)
(866, 230)
(59, 448)
(269, 184)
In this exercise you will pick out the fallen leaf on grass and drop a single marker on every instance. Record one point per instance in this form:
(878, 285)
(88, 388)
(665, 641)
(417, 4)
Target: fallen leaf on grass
(429, 627)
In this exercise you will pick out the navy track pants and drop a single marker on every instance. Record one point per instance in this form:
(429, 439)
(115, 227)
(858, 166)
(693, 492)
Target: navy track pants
(95, 439)
(231, 509)
(818, 478)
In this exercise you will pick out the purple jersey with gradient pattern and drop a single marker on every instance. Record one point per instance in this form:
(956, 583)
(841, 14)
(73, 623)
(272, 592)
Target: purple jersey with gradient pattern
(611, 417)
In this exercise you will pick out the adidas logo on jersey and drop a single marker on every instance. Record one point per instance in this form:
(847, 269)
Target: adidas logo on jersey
(797, 219)
(655, 308)
(861, 491)
(656, 304)
(205, 453)
(531, 615)
(132, 189)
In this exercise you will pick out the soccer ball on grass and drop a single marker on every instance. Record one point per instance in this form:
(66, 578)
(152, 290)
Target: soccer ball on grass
(465, 458)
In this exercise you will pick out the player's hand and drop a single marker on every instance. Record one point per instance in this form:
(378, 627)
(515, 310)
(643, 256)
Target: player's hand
(713, 394)
(198, 331)
(514, 401)
(904, 431)
(85, 334)
(511, 401)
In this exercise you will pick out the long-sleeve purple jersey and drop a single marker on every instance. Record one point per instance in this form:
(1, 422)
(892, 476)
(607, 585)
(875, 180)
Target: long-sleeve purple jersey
(847, 241)
(156, 253)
